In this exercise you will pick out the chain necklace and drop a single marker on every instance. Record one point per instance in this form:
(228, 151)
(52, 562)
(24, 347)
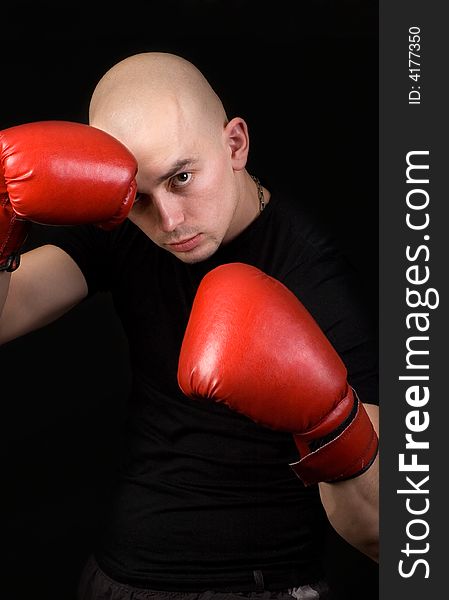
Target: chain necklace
(259, 193)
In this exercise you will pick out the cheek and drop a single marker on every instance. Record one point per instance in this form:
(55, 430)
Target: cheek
(214, 209)
(136, 215)
(219, 197)
(141, 219)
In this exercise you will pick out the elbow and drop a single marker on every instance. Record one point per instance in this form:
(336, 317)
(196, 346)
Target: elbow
(364, 537)
(369, 547)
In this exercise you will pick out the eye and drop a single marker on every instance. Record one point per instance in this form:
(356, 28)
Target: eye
(181, 179)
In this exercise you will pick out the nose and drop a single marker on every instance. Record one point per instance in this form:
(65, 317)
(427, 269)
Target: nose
(169, 211)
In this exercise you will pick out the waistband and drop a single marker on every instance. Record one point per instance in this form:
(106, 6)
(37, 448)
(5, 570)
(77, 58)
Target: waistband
(257, 580)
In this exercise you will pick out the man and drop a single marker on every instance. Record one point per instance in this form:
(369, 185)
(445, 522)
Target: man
(206, 498)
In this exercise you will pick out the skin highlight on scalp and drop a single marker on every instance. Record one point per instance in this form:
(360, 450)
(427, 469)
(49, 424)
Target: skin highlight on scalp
(192, 182)
(141, 95)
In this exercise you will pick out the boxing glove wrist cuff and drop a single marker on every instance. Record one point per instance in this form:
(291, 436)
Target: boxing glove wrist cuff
(10, 263)
(345, 453)
(13, 233)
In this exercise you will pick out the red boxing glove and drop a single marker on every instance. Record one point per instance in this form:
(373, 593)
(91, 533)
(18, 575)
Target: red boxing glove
(12, 233)
(251, 344)
(61, 173)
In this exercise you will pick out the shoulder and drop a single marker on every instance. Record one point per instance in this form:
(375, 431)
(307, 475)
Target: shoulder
(307, 242)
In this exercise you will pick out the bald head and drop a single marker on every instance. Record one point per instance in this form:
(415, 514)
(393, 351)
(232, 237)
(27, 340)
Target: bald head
(194, 190)
(154, 93)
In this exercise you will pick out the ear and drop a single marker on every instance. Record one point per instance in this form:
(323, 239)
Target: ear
(237, 140)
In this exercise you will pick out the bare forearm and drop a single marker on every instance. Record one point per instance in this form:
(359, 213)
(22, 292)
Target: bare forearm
(352, 506)
(5, 278)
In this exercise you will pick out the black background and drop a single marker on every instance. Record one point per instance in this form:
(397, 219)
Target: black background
(304, 75)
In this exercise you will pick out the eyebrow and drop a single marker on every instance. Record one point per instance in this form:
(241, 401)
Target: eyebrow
(177, 166)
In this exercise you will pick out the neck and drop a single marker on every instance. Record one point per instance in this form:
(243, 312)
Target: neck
(260, 193)
(252, 198)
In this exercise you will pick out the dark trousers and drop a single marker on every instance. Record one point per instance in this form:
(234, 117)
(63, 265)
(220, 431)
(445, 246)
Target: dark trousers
(96, 585)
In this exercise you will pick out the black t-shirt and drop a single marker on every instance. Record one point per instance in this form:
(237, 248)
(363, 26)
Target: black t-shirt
(204, 497)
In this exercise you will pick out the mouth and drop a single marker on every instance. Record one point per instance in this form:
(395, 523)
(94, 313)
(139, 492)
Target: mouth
(185, 245)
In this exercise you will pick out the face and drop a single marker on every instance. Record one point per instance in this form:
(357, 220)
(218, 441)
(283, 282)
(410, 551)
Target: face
(187, 200)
